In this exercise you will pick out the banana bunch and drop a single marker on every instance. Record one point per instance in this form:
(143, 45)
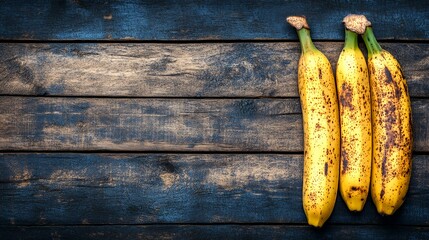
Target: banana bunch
(391, 124)
(371, 116)
(321, 126)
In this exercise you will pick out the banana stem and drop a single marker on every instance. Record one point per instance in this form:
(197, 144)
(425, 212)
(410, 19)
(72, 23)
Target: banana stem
(371, 42)
(305, 40)
(351, 41)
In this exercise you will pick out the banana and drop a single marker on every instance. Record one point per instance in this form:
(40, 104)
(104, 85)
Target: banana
(321, 127)
(355, 120)
(391, 126)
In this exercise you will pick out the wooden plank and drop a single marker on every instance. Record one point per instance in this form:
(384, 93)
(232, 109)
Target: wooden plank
(176, 70)
(66, 188)
(215, 232)
(196, 20)
(28, 123)
(116, 124)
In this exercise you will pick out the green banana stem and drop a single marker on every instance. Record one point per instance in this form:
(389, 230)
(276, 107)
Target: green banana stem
(370, 42)
(305, 40)
(351, 41)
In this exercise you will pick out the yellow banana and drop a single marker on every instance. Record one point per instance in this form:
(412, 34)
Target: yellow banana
(355, 119)
(391, 126)
(319, 105)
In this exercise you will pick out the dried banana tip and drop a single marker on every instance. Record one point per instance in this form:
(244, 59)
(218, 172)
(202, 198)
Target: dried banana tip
(356, 23)
(298, 22)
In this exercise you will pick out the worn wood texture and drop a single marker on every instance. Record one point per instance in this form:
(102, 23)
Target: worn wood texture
(149, 124)
(202, 20)
(74, 189)
(115, 124)
(228, 231)
(148, 120)
(176, 70)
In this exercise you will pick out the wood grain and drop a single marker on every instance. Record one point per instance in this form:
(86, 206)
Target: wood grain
(176, 70)
(228, 231)
(79, 189)
(123, 124)
(202, 20)
(181, 119)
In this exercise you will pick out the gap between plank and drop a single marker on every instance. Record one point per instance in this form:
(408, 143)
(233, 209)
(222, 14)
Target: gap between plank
(209, 224)
(164, 97)
(195, 41)
(153, 152)
(415, 153)
(145, 97)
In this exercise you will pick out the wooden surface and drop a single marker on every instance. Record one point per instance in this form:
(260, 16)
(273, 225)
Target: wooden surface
(181, 119)
(232, 231)
(203, 20)
(244, 69)
(153, 124)
(73, 189)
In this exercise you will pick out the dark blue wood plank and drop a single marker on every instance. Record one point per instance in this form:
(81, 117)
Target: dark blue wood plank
(117, 124)
(150, 124)
(229, 231)
(210, 19)
(176, 70)
(65, 188)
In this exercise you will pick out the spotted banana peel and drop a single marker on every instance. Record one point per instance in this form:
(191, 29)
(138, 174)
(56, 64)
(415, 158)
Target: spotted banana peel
(321, 127)
(391, 124)
(355, 120)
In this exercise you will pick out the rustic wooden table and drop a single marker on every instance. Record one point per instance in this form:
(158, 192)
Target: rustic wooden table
(181, 119)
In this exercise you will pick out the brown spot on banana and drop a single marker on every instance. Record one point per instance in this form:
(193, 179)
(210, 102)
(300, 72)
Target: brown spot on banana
(384, 166)
(389, 78)
(346, 97)
(371, 70)
(320, 74)
(358, 189)
(382, 193)
(390, 115)
(326, 169)
(344, 158)
(398, 91)
(318, 127)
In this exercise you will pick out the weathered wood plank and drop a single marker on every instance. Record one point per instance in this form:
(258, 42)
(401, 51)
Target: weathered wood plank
(247, 232)
(176, 70)
(28, 123)
(115, 124)
(195, 20)
(66, 188)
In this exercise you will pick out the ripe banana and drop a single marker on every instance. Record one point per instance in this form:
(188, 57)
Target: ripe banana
(321, 127)
(391, 125)
(355, 119)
